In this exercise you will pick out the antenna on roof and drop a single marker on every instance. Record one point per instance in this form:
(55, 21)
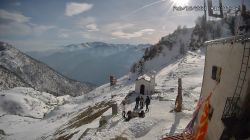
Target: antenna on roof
(205, 10)
(211, 9)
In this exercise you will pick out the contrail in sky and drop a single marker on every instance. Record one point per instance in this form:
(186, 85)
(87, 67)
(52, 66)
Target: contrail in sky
(143, 7)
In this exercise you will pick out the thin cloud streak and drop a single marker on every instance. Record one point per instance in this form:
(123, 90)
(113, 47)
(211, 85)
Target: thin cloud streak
(13, 16)
(143, 7)
(125, 35)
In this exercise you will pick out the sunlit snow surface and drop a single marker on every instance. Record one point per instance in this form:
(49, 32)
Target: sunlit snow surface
(35, 115)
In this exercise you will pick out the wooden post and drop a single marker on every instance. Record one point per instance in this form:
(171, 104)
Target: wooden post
(178, 101)
(112, 80)
(114, 109)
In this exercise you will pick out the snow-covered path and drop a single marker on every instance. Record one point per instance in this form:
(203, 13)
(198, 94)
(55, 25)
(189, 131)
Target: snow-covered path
(190, 69)
(159, 121)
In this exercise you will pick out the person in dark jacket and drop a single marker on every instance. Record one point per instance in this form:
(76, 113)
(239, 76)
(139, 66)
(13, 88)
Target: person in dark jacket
(142, 114)
(137, 100)
(123, 109)
(147, 102)
(141, 102)
(129, 116)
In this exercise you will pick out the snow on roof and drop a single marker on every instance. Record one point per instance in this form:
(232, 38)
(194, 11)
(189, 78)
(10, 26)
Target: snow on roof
(145, 77)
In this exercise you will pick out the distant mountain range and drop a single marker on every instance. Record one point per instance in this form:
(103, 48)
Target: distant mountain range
(18, 69)
(93, 62)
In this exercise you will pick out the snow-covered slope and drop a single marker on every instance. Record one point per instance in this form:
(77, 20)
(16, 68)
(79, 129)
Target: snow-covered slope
(18, 69)
(179, 42)
(28, 103)
(78, 117)
(159, 121)
(171, 49)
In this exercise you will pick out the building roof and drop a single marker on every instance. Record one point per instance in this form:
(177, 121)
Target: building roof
(145, 77)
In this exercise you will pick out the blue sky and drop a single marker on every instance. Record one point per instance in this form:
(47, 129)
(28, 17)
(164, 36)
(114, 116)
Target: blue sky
(46, 24)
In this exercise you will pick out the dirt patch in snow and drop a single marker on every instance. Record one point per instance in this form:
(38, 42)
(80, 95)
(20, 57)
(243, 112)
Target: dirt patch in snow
(85, 117)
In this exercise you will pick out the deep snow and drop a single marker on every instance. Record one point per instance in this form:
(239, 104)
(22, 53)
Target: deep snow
(40, 115)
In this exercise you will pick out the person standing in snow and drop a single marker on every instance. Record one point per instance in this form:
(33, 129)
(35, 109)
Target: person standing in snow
(129, 114)
(147, 102)
(123, 109)
(141, 102)
(137, 100)
(142, 114)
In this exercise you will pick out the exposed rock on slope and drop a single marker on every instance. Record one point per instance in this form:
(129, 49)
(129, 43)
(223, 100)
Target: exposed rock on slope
(10, 80)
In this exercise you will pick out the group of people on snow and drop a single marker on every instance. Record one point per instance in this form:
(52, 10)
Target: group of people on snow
(139, 104)
(140, 101)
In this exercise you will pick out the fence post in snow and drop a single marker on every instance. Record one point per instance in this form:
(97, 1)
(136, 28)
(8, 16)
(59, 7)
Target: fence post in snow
(114, 109)
(178, 101)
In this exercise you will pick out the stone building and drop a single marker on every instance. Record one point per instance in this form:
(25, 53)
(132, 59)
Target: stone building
(145, 84)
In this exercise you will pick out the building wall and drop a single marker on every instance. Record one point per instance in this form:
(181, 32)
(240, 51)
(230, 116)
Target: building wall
(246, 102)
(229, 57)
(148, 86)
(153, 84)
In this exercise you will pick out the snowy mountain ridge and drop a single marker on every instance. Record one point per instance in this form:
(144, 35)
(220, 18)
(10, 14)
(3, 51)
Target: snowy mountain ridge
(93, 62)
(102, 44)
(18, 69)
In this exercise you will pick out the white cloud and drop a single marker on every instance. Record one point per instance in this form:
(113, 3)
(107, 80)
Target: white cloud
(16, 24)
(63, 35)
(15, 28)
(22, 29)
(85, 35)
(88, 24)
(74, 8)
(40, 29)
(125, 35)
(13, 16)
(92, 27)
(83, 22)
(86, 20)
(118, 26)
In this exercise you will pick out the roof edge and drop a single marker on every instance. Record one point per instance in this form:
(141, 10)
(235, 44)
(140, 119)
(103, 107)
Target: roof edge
(231, 39)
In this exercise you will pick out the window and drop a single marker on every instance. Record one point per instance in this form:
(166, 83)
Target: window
(210, 112)
(216, 73)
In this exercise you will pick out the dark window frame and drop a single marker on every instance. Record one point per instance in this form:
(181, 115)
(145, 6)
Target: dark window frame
(210, 112)
(216, 73)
